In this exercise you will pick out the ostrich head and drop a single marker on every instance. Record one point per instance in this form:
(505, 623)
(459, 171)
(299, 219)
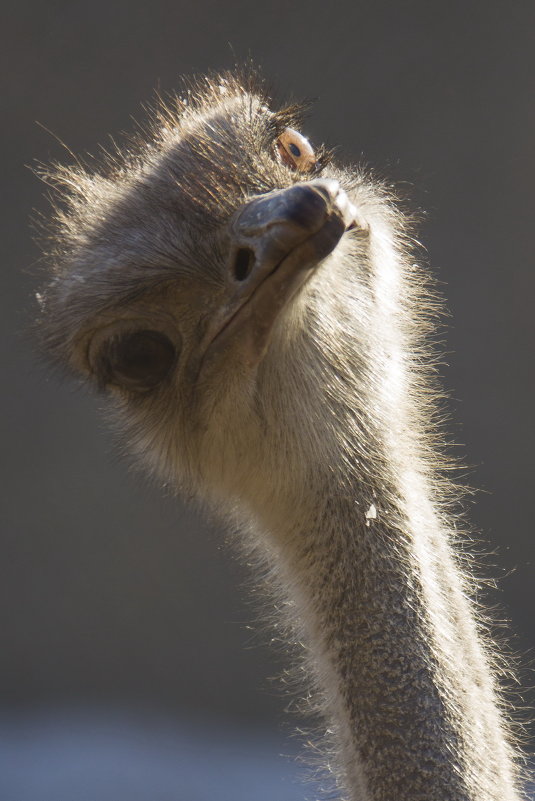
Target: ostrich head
(253, 314)
(207, 280)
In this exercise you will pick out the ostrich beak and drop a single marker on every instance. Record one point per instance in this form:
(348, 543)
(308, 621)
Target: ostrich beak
(276, 241)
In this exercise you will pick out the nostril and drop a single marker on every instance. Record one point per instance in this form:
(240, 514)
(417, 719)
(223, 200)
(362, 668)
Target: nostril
(243, 263)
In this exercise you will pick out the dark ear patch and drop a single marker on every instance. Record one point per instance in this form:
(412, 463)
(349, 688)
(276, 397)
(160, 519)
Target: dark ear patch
(137, 361)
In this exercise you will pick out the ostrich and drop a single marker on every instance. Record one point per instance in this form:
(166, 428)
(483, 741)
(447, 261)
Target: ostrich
(255, 316)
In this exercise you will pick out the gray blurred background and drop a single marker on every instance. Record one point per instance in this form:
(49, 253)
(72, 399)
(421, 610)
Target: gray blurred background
(114, 596)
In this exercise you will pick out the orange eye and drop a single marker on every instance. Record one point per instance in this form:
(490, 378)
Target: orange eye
(295, 151)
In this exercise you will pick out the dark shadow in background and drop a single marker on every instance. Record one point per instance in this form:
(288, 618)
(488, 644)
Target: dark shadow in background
(110, 592)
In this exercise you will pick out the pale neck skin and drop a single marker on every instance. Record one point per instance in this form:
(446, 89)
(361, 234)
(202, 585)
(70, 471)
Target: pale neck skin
(403, 680)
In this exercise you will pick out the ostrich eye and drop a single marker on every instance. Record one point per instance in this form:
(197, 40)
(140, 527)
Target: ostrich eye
(137, 361)
(295, 151)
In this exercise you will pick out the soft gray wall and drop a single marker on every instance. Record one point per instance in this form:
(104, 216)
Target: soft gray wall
(110, 590)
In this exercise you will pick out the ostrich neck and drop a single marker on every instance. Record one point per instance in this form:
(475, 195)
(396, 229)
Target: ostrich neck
(394, 649)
